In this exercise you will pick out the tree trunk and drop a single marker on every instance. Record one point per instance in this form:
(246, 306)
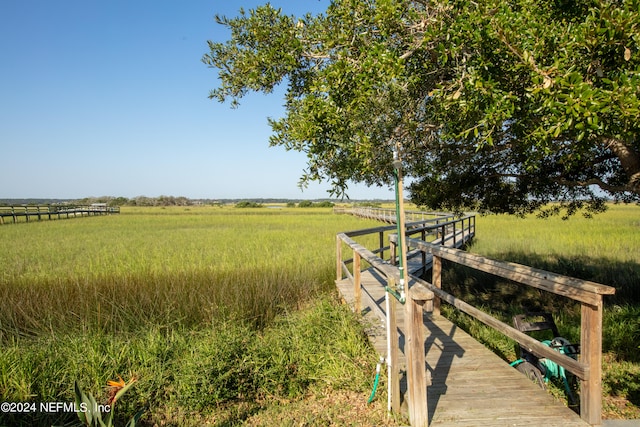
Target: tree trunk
(629, 160)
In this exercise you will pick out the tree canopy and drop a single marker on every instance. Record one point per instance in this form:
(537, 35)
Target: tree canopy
(498, 105)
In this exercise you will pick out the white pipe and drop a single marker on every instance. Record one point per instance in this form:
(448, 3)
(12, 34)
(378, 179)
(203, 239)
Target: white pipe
(388, 327)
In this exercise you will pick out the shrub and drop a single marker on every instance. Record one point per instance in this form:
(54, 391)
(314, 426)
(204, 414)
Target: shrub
(246, 204)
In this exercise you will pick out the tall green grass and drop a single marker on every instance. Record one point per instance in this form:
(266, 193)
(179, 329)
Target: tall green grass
(220, 373)
(163, 267)
(217, 312)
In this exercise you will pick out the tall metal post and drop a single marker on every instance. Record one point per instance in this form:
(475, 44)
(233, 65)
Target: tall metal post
(400, 222)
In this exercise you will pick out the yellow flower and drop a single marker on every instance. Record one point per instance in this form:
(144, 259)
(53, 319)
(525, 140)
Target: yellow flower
(119, 384)
(115, 387)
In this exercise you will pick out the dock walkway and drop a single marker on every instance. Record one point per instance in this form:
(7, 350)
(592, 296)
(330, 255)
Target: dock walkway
(466, 384)
(471, 386)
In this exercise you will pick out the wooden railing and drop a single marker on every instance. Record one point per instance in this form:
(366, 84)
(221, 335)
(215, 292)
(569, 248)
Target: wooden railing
(423, 295)
(589, 294)
(49, 212)
(417, 298)
(389, 215)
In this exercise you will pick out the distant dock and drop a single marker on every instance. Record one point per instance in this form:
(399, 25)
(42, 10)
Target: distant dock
(27, 213)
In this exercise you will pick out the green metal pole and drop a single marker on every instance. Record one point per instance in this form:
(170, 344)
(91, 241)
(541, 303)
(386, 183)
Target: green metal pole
(397, 165)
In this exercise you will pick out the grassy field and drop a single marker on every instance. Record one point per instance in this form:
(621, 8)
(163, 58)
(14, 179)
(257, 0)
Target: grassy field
(164, 267)
(226, 316)
(218, 312)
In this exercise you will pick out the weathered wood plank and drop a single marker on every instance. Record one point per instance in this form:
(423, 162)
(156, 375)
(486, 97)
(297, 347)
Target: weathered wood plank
(416, 373)
(578, 289)
(591, 351)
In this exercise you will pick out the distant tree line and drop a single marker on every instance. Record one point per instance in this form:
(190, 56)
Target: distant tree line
(142, 201)
(247, 204)
(178, 201)
(290, 204)
(310, 204)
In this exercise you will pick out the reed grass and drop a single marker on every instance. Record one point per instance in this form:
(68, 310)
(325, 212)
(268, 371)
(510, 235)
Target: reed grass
(216, 311)
(163, 267)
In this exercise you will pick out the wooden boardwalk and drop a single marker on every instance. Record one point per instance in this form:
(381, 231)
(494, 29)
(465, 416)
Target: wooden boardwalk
(471, 386)
(27, 213)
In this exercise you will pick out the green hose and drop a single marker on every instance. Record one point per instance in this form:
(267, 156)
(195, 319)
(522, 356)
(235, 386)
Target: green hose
(395, 294)
(376, 381)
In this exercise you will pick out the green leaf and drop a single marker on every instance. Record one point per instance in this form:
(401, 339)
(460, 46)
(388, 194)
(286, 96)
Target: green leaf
(81, 398)
(532, 73)
(133, 421)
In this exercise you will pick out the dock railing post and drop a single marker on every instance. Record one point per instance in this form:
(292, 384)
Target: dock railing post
(454, 234)
(338, 256)
(392, 351)
(591, 354)
(436, 280)
(423, 236)
(416, 368)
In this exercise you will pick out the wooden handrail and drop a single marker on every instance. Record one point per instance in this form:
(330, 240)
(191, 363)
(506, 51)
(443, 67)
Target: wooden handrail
(390, 272)
(418, 298)
(577, 289)
(589, 294)
(389, 215)
(589, 368)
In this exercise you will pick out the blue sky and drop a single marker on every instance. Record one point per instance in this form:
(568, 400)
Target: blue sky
(110, 98)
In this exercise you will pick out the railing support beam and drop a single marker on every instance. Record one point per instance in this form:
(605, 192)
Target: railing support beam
(416, 367)
(338, 258)
(591, 355)
(436, 280)
(357, 288)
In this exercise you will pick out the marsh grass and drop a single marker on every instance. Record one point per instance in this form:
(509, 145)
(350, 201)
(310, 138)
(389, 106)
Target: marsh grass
(220, 374)
(163, 267)
(217, 312)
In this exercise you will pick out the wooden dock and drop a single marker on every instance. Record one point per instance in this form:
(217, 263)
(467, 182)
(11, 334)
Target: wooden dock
(471, 386)
(449, 378)
(27, 213)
